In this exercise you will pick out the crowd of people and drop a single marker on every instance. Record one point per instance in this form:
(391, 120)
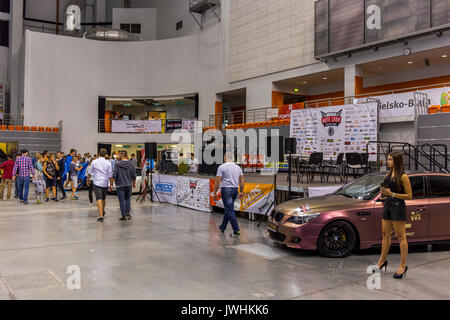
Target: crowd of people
(50, 173)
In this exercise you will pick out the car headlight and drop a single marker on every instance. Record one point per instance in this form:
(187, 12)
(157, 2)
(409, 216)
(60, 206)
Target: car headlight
(303, 218)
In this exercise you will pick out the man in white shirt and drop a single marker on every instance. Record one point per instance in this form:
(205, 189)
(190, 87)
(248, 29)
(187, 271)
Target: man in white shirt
(193, 164)
(229, 177)
(102, 171)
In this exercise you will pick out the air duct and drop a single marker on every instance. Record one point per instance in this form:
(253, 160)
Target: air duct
(108, 34)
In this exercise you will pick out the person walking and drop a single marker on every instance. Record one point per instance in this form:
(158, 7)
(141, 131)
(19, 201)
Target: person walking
(25, 167)
(51, 170)
(39, 182)
(60, 177)
(124, 177)
(7, 167)
(230, 179)
(193, 164)
(102, 172)
(134, 160)
(89, 179)
(73, 176)
(69, 157)
(396, 188)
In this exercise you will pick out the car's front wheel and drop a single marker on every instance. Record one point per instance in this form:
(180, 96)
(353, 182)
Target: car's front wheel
(336, 240)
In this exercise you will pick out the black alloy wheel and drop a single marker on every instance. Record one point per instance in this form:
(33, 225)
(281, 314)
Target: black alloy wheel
(336, 240)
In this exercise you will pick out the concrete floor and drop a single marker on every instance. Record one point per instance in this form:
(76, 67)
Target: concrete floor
(169, 252)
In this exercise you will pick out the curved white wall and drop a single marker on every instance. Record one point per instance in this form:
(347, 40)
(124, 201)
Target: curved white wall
(64, 77)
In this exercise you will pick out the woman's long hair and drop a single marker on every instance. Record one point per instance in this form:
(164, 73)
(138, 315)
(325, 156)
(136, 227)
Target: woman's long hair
(398, 167)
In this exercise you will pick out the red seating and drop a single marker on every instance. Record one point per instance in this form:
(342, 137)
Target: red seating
(445, 108)
(19, 128)
(33, 128)
(11, 127)
(41, 129)
(3, 127)
(55, 129)
(26, 128)
(434, 109)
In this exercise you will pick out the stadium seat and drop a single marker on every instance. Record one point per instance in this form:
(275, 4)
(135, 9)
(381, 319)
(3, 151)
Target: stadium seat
(26, 128)
(434, 109)
(445, 108)
(19, 128)
(48, 129)
(11, 127)
(55, 129)
(2, 127)
(41, 129)
(33, 129)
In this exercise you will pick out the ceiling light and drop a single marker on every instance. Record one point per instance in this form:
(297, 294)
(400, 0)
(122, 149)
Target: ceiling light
(325, 78)
(119, 99)
(410, 62)
(119, 146)
(305, 82)
(444, 56)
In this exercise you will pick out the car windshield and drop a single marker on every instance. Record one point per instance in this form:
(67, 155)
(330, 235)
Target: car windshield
(365, 188)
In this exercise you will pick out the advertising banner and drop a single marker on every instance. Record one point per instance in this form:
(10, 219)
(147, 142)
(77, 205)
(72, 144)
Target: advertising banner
(188, 125)
(284, 112)
(136, 126)
(403, 104)
(172, 125)
(334, 130)
(194, 193)
(165, 188)
(257, 198)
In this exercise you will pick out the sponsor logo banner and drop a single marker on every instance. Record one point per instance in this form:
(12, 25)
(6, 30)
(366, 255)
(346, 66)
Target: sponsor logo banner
(165, 188)
(194, 193)
(257, 198)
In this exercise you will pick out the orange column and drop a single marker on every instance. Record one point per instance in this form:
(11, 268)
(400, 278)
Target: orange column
(277, 99)
(359, 85)
(218, 113)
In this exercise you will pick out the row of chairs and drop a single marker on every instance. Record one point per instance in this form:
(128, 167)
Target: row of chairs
(28, 128)
(316, 164)
(261, 124)
(437, 108)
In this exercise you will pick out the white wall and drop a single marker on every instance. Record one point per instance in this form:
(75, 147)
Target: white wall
(145, 17)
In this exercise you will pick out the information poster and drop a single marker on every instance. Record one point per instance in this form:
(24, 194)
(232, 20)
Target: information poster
(136, 126)
(334, 130)
(165, 188)
(188, 125)
(172, 125)
(257, 198)
(194, 193)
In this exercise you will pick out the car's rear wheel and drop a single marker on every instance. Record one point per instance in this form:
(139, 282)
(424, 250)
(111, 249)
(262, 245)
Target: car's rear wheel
(336, 240)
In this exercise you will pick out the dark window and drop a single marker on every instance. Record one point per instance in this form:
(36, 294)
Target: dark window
(135, 28)
(440, 186)
(417, 187)
(4, 33)
(179, 25)
(4, 6)
(125, 26)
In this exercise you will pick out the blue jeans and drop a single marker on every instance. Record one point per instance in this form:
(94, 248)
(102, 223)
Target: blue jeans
(23, 183)
(124, 194)
(229, 195)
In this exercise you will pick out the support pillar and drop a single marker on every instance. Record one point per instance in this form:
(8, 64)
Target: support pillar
(353, 82)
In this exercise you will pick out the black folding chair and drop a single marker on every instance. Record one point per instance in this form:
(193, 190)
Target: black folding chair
(315, 162)
(335, 168)
(354, 162)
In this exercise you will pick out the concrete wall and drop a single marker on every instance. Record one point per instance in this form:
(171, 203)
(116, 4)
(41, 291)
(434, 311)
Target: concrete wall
(145, 17)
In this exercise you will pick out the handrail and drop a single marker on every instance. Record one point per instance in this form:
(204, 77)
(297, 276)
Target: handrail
(434, 150)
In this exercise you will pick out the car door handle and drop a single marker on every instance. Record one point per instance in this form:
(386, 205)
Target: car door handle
(364, 213)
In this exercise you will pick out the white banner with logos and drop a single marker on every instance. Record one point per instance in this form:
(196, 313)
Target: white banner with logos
(136, 126)
(334, 130)
(165, 188)
(403, 104)
(194, 193)
(188, 125)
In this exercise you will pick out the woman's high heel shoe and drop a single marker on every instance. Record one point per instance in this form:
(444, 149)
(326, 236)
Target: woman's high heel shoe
(384, 265)
(401, 276)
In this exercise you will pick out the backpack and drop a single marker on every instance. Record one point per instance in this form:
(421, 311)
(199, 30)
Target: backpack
(51, 169)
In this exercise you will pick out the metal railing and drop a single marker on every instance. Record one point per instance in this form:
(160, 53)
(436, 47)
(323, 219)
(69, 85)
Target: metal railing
(7, 119)
(262, 114)
(106, 126)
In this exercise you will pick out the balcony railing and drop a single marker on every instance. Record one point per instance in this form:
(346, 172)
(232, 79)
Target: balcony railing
(222, 120)
(145, 126)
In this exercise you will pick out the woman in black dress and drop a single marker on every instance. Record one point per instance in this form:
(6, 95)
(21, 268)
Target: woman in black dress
(396, 188)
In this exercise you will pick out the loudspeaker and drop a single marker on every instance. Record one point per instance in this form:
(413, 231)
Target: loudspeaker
(290, 146)
(280, 141)
(150, 150)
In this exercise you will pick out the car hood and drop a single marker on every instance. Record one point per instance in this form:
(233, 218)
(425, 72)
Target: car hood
(320, 204)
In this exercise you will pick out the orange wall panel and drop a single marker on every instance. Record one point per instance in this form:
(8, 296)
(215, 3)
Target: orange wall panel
(277, 99)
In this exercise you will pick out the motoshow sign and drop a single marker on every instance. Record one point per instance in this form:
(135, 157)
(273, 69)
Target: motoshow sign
(334, 130)
(257, 198)
(194, 193)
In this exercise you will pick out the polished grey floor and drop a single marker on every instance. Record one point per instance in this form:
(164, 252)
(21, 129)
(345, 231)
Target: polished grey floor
(169, 252)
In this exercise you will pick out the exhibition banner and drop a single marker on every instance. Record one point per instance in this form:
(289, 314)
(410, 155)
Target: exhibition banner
(284, 112)
(257, 198)
(136, 126)
(188, 125)
(165, 188)
(172, 125)
(334, 130)
(194, 193)
(403, 104)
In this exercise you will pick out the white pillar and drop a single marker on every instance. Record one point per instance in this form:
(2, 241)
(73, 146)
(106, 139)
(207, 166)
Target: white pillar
(100, 10)
(351, 72)
(15, 43)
